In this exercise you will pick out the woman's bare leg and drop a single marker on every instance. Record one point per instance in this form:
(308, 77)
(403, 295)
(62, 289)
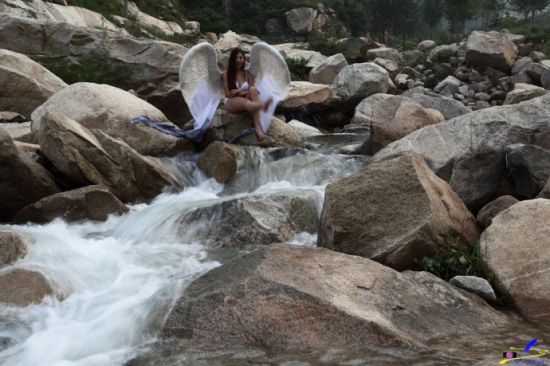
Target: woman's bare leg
(253, 95)
(240, 104)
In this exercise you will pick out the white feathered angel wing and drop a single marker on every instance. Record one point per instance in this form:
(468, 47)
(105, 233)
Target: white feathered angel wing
(272, 78)
(200, 83)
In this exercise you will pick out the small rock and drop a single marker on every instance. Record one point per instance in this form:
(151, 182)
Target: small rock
(477, 285)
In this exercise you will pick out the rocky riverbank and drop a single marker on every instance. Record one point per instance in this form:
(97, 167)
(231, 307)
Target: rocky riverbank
(392, 158)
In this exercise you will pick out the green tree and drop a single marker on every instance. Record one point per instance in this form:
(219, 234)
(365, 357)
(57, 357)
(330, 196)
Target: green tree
(432, 13)
(530, 7)
(458, 12)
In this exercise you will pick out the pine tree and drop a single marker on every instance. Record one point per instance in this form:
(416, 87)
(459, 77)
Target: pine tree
(432, 12)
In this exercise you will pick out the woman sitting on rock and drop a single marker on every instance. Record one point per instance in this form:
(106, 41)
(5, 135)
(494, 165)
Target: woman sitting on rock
(240, 93)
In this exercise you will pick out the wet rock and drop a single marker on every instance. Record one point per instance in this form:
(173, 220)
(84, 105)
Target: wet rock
(96, 158)
(489, 211)
(490, 49)
(394, 212)
(254, 220)
(22, 287)
(392, 117)
(515, 249)
(285, 298)
(25, 83)
(468, 151)
(110, 110)
(529, 168)
(219, 160)
(22, 181)
(476, 285)
(358, 81)
(86, 203)
(326, 71)
(13, 246)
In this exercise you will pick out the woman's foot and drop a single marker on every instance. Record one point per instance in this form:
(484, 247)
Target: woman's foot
(267, 104)
(260, 135)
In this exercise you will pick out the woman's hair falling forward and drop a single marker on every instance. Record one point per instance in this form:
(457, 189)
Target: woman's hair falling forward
(232, 67)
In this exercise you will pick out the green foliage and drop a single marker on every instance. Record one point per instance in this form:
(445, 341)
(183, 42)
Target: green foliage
(326, 46)
(96, 67)
(298, 69)
(456, 262)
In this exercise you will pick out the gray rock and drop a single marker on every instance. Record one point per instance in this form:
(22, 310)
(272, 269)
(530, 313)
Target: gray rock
(425, 45)
(13, 246)
(300, 20)
(22, 181)
(385, 53)
(96, 158)
(86, 203)
(443, 53)
(486, 215)
(535, 71)
(529, 168)
(476, 285)
(25, 83)
(515, 249)
(448, 107)
(306, 291)
(490, 49)
(255, 220)
(545, 80)
(394, 212)
(358, 81)
(522, 64)
(468, 151)
(326, 71)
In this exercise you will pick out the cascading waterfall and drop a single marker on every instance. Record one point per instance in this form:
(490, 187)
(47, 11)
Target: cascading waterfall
(118, 278)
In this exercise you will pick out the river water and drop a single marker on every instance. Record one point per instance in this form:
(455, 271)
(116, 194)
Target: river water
(119, 278)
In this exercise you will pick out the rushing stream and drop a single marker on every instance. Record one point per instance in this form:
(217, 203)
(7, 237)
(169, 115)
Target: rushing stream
(120, 277)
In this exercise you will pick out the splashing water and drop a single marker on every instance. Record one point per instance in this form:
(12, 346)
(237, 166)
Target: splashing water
(119, 278)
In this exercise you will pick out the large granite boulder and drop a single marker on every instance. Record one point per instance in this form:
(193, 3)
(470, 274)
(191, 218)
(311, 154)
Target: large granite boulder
(301, 20)
(529, 168)
(450, 108)
(395, 212)
(22, 287)
(86, 203)
(515, 249)
(226, 125)
(22, 181)
(326, 71)
(358, 81)
(13, 246)
(392, 117)
(303, 93)
(109, 109)
(289, 298)
(150, 22)
(25, 83)
(468, 151)
(96, 158)
(56, 13)
(130, 63)
(490, 49)
(254, 220)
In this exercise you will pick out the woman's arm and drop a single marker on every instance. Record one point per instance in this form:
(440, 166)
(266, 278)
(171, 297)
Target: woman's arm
(228, 93)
